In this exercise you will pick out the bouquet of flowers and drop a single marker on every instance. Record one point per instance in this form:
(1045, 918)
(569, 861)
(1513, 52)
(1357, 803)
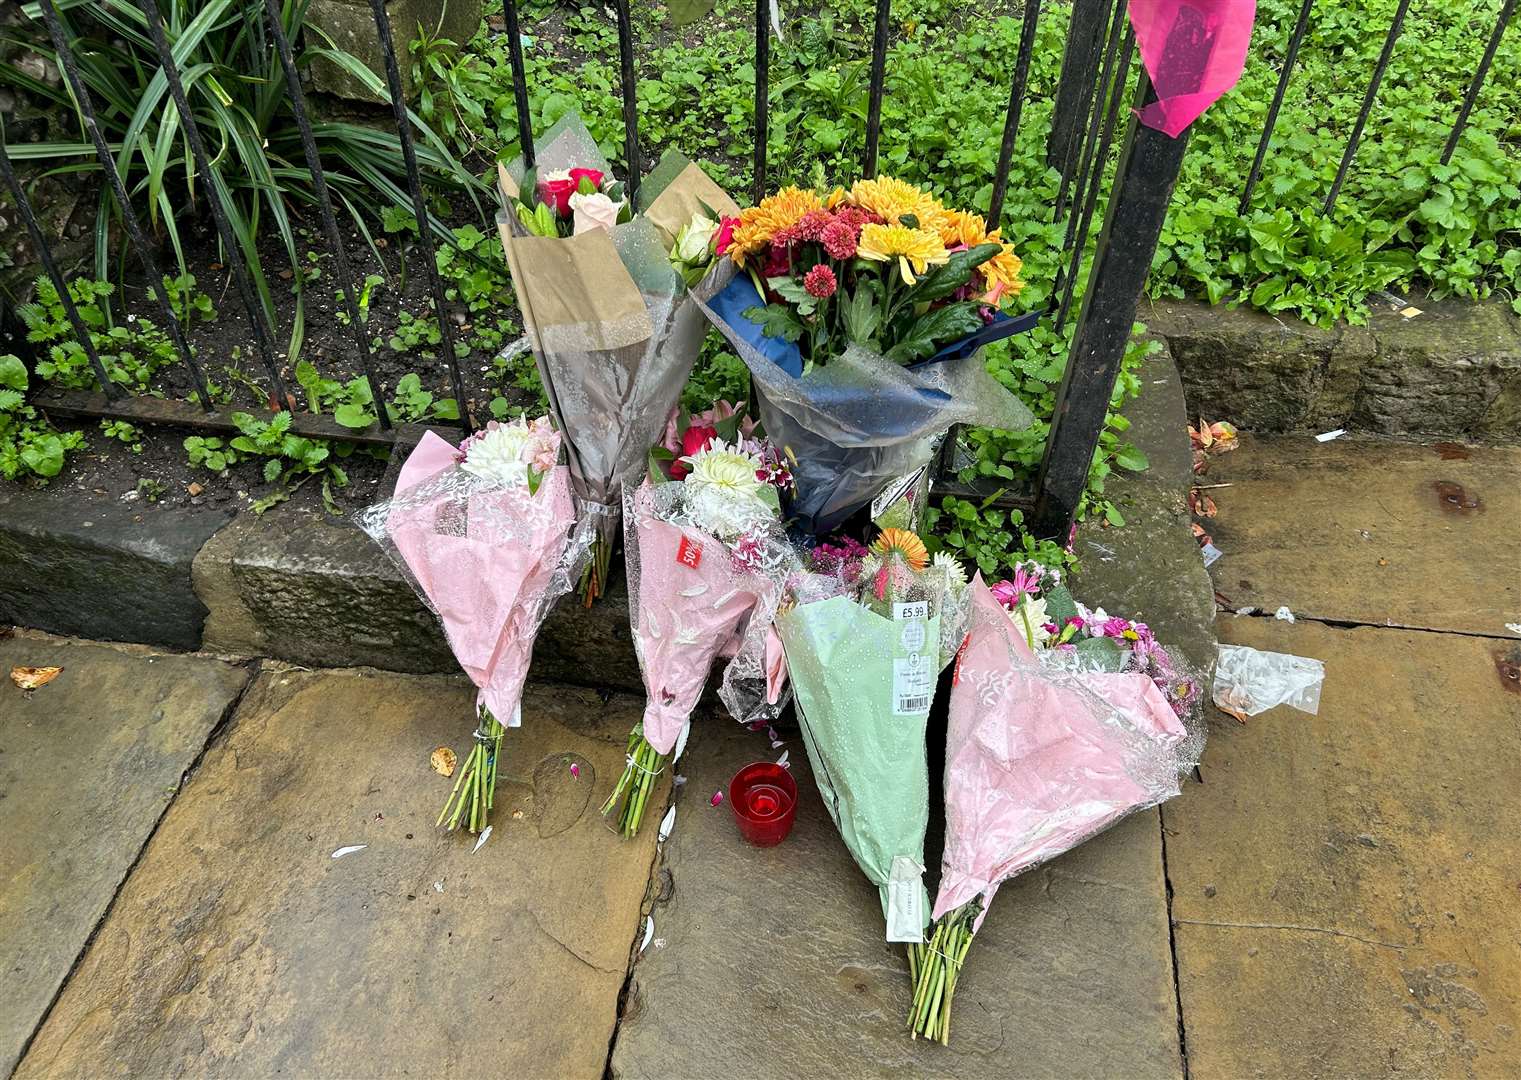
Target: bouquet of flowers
(1045, 748)
(860, 315)
(865, 637)
(568, 202)
(707, 557)
(1047, 617)
(487, 535)
(609, 320)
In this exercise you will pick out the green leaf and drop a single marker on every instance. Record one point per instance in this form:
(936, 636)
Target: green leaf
(353, 416)
(777, 321)
(12, 372)
(1131, 458)
(271, 470)
(926, 333)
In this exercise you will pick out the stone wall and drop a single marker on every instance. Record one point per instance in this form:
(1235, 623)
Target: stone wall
(1452, 371)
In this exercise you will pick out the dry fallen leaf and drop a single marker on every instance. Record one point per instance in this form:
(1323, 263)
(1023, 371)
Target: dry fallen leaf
(30, 678)
(195, 489)
(443, 761)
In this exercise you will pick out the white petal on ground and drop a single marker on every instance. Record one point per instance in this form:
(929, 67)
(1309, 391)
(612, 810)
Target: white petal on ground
(341, 852)
(667, 823)
(485, 835)
(649, 932)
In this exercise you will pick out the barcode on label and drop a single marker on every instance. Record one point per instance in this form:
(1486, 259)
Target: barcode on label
(913, 684)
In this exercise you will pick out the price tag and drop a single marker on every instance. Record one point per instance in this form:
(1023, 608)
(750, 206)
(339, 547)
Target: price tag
(913, 672)
(689, 553)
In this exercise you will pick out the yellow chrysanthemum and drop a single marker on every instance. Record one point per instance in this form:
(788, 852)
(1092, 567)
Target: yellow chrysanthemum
(758, 224)
(1000, 274)
(915, 249)
(904, 544)
(835, 198)
(890, 199)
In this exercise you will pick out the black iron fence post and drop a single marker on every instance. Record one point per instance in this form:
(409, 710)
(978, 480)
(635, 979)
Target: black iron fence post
(279, 398)
(1362, 117)
(347, 286)
(1478, 80)
(519, 80)
(762, 94)
(1289, 56)
(1027, 27)
(874, 98)
(45, 256)
(124, 204)
(419, 208)
(1144, 179)
(1075, 90)
(630, 98)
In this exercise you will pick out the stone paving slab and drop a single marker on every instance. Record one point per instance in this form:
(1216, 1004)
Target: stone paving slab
(1347, 892)
(771, 961)
(240, 948)
(87, 765)
(1371, 532)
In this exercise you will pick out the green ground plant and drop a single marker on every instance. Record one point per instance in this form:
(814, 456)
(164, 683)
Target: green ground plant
(131, 351)
(238, 95)
(30, 448)
(290, 460)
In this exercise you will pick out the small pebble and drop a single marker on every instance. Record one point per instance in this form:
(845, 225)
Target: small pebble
(1209, 891)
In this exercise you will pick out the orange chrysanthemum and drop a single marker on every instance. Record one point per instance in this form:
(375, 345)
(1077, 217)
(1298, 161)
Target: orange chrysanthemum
(1000, 274)
(758, 224)
(891, 199)
(904, 544)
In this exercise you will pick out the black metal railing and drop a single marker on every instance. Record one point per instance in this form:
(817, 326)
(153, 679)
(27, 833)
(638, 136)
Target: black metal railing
(1095, 85)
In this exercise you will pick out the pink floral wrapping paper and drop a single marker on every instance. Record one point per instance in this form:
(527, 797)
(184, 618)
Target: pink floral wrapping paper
(490, 561)
(691, 602)
(1040, 758)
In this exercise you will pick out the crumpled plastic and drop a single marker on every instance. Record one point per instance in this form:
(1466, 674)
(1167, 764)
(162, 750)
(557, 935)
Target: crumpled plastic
(1250, 681)
(1194, 51)
(489, 561)
(851, 426)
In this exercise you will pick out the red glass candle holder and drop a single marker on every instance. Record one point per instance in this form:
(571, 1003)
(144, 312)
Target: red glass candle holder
(763, 796)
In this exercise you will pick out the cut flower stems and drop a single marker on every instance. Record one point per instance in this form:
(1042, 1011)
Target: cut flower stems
(475, 787)
(631, 795)
(935, 966)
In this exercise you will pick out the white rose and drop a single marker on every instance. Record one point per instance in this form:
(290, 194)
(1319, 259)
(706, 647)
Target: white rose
(693, 239)
(594, 211)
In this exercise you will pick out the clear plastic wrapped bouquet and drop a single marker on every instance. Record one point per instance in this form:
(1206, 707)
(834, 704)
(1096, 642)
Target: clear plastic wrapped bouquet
(487, 535)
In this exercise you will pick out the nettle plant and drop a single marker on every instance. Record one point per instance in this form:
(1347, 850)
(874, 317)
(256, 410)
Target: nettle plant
(29, 446)
(290, 460)
(131, 351)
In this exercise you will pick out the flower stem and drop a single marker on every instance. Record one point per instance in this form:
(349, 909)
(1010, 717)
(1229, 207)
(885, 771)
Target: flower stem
(637, 783)
(474, 789)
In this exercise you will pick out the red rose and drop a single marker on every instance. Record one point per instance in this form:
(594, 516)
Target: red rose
(594, 175)
(725, 235)
(693, 441)
(556, 194)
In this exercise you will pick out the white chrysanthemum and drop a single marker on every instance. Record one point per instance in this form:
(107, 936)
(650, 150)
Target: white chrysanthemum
(1029, 619)
(497, 454)
(723, 493)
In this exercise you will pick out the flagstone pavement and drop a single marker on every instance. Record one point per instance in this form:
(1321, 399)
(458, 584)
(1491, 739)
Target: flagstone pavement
(1339, 896)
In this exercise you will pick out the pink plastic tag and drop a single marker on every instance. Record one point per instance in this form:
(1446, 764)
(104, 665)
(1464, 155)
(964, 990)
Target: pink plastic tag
(1194, 51)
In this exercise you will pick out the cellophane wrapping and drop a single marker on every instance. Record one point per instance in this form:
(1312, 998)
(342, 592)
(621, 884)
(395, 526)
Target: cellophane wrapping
(864, 682)
(613, 328)
(692, 598)
(858, 422)
(1043, 751)
(489, 560)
